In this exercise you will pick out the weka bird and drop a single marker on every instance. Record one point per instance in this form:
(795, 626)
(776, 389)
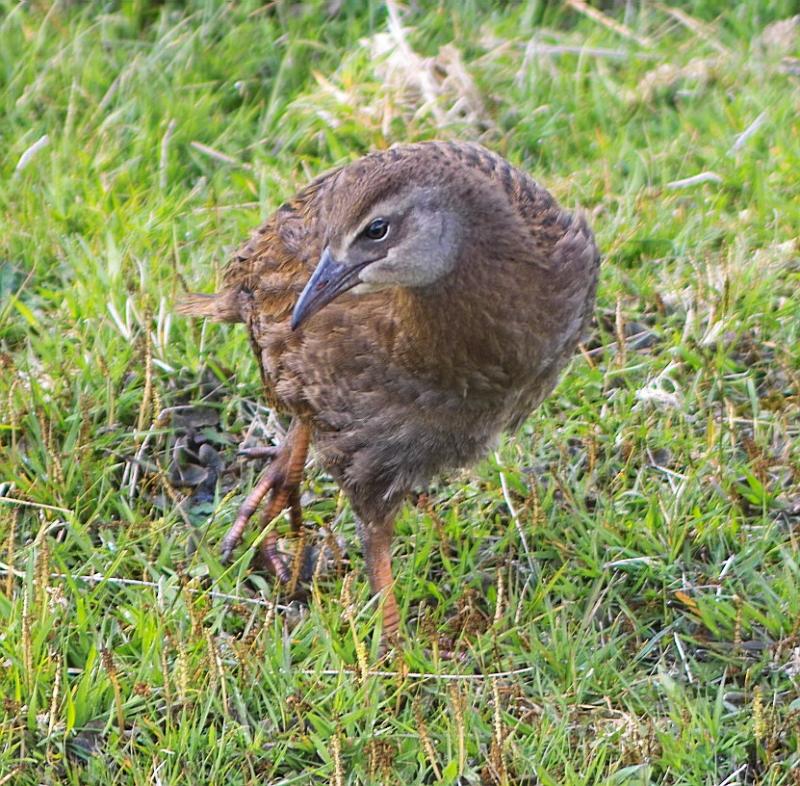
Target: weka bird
(405, 309)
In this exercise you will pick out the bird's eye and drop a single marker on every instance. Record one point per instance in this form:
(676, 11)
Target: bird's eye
(377, 229)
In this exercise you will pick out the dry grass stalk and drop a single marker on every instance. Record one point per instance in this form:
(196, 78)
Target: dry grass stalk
(537, 514)
(165, 673)
(699, 73)
(27, 648)
(372, 761)
(591, 452)
(336, 556)
(13, 519)
(737, 626)
(415, 86)
(163, 160)
(759, 721)
(682, 654)
(219, 156)
(42, 567)
(54, 460)
(38, 505)
(498, 606)
(381, 755)
(336, 755)
(414, 67)
(111, 669)
(425, 739)
(183, 672)
(669, 79)
(193, 602)
(619, 329)
(53, 715)
(255, 650)
(145, 408)
(458, 702)
(30, 152)
(780, 38)
(217, 670)
(350, 616)
(742, 139)
(694, 180)
(85, 432)
(535, 48)
(497, 757)
(611, 24)
(404, 84)
(147, 393)
(515, 516)
(402, 674)
(13, 415)
(9, 776)
(700, 29)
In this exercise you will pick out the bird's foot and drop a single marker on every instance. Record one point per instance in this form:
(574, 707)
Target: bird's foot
(269, 558)
(281, 481)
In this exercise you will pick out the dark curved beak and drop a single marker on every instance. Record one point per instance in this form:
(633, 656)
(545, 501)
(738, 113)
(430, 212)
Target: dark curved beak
(329, 280)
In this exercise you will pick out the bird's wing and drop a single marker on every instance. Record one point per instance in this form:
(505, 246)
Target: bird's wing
(264, 278)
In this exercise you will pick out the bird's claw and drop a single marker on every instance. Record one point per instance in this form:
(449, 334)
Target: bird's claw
(281, 481)
(225, 554)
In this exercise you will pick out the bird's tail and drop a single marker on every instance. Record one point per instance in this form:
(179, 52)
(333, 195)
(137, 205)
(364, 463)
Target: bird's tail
(221, 306)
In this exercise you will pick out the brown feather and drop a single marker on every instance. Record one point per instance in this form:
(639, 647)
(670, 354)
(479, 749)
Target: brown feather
(221, 307)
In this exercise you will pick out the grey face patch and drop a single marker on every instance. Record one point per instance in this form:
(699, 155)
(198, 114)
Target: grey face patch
(392, 208)
(429, 250)
(422, 244)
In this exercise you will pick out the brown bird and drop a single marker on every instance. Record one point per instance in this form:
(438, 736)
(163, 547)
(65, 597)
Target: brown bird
(405, 309)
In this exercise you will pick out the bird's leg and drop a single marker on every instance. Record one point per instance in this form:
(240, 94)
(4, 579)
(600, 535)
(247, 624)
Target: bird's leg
(282, 478)
(246, 510)
(376, 540)
(296, 519)
(285, 493)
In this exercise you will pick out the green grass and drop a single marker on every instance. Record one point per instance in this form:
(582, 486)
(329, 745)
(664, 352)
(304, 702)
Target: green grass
(654, 620)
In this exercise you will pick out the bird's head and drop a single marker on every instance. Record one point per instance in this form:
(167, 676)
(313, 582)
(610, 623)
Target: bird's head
(386, 226)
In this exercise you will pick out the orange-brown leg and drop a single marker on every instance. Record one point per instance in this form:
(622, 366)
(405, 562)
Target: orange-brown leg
(377, 544)
(286, 493)
(301, 553)
(282, 480)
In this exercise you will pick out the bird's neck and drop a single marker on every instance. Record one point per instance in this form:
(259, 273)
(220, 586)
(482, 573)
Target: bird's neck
(456, 330)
